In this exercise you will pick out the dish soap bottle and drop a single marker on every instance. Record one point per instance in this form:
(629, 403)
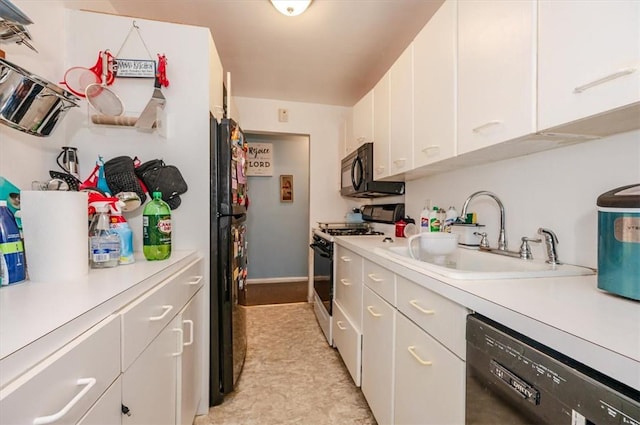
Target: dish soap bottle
(104, 243)
(12, 262)
(156, 229)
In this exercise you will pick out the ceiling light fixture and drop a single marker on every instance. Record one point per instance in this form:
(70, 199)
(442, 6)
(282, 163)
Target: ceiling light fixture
(291, 7)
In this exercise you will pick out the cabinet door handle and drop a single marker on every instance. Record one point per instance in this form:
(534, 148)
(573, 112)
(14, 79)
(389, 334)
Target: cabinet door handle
(345, 282)
(88, 384)
(190, 323)
(373, 313)
(400, 162)
(603, 80)
(373, 277)
(339, 324)
(167, 309)
(180, 341)
(479, 128)
(360, 139)
(417, 306)
(431, 150)
(196, 280)
(345, 259)
(412, 350)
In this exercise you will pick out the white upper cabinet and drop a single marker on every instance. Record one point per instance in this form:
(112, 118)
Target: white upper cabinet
(401, 112)
(381, 129)
(496, 72)
(434, 69)
(589, 58)
(362, 122)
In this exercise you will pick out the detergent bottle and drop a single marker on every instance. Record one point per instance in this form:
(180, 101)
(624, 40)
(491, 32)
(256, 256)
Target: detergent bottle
(119, 225)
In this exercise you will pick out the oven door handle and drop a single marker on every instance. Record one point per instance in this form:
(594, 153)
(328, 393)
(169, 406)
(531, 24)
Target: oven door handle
(320, 251)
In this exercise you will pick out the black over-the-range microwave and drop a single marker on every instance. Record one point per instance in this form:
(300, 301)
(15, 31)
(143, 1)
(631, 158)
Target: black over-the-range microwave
(357, 176)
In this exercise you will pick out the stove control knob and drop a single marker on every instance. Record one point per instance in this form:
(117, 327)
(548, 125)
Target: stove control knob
(387, 240)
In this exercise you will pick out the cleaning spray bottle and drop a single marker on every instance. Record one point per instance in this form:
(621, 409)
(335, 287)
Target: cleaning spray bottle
(12, 260)
(121, 227)
(104, 243)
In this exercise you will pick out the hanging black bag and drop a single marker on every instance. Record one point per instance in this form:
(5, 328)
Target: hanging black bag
(159, 177)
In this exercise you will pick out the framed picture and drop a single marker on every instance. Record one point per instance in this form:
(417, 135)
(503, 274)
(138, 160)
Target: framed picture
(286, 188)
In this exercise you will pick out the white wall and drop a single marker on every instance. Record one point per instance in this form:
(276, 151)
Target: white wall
(556, 189)
(322, 124)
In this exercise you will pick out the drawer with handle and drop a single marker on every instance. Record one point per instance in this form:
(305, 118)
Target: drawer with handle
(143, 319)
(380, 280)
(63, 387)
(441, 318)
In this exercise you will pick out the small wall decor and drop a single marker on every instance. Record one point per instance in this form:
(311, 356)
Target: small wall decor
(286, 188)
(260, 159)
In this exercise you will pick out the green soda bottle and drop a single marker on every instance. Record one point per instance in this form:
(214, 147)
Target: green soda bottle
(156, 229)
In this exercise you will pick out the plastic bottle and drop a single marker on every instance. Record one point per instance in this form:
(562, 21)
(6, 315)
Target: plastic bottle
(12, 267)
(451, 216)
(104, 243)
(424, 217)
(121, 227)
(434, 220)
(156, 229)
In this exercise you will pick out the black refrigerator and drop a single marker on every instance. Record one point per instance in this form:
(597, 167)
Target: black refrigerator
(229, 202)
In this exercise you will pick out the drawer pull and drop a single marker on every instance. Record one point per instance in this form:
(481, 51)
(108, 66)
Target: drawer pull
(88, 384)
(603, 80)
(373, 277)
(417, 306)
(190, 323)
(167, 309)
(345, 259)
(196, 281)
(340, 326)
(180, 341)
(486, 125)
(412, 350)
(373, 313)
(431, 150)
(345, 282)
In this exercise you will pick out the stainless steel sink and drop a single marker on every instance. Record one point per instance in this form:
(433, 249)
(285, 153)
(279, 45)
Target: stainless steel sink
(468, 264)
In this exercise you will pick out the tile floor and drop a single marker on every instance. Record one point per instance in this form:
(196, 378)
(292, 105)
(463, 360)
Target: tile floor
(291, 375)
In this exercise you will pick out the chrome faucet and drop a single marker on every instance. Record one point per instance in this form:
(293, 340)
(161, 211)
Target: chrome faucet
(550, 240)
(502, 240)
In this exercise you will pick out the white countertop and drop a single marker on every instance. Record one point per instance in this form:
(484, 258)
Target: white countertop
(39, 317)
(569, 314)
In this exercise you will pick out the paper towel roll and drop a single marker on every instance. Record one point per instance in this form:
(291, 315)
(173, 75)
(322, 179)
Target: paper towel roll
(54, 225)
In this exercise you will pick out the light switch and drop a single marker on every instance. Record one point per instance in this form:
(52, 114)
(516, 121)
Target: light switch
(283, 115)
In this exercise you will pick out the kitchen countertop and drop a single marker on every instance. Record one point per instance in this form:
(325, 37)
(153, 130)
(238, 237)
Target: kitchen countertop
(36, 318)
(568, 314)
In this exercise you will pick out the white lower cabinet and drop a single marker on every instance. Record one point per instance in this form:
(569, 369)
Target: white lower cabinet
(107, 410)
(348, 340)
(429, 379)
(64, 386)
(190, 367)
(149, 385)
(378, 323)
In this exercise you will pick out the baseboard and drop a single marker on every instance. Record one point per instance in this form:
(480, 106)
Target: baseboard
(277, 280)
(277, 292)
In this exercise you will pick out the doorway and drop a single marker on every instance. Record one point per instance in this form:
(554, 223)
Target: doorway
(278, 221)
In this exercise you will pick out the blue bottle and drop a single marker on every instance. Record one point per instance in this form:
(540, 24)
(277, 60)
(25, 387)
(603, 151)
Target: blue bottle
(11, 248)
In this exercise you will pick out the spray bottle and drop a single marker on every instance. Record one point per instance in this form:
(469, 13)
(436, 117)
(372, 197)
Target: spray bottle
(104, 243)
(121, 227)
(12, 259)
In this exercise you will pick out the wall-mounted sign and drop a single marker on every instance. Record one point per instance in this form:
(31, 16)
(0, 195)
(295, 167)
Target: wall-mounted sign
(260, 159)
(135, 68)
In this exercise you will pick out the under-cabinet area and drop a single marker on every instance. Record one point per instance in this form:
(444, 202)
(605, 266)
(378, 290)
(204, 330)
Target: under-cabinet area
(140, 363)
(403, 338)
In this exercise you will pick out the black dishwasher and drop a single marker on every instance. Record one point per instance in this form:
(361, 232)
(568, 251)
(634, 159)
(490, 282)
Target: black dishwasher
(512, 379)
